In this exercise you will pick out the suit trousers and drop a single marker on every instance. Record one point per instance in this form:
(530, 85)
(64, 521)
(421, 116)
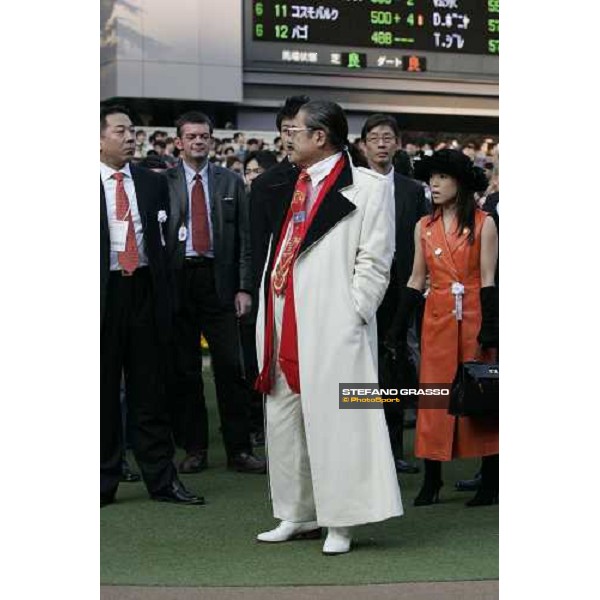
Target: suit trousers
(392, 375)
(250, 370)
(129, 345)
(200, 312)
(287, 453)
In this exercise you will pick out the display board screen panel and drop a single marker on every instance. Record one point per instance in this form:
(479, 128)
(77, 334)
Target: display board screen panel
(443, 37)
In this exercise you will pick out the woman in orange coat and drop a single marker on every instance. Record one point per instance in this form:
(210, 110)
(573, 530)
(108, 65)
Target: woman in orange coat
(457, 245)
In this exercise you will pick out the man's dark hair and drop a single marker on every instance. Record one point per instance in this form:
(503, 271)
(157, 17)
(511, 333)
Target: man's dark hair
(422, 141)
(236, 135)
(169, 140)
(106, 111)
(402, 163)
(154, 135)
(377, 120)
(264, 158)
(290, 109)
(252, 141)
(231, 160)
(139, 131)
(330, 118)
(160, 143)
(193, 116)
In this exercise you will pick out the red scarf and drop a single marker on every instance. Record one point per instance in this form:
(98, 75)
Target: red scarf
(288, 348)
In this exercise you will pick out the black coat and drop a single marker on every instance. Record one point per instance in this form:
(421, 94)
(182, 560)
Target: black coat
(411, 205)
(490, 206)
(230, 225)
(152, 196)
(268, 202)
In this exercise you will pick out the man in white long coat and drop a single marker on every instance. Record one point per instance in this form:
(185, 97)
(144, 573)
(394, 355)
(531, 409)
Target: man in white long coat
(327, 272)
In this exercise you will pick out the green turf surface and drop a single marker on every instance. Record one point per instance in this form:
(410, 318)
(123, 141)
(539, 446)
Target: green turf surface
(152, 543)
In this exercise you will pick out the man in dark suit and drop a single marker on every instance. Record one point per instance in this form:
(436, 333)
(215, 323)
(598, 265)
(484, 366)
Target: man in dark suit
(380, 139)
(135, 314)
(266, 189)
(208, 241)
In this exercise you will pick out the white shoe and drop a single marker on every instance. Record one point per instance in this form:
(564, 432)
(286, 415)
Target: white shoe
(338, 540)
(286, 531)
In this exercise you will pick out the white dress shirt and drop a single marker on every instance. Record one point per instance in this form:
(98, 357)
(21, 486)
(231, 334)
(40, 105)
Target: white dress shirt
(318, 173)
(110, 193)
(189, 178)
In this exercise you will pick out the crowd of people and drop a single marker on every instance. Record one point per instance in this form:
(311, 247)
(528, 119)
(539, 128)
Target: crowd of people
(312, 264)
(232, 153)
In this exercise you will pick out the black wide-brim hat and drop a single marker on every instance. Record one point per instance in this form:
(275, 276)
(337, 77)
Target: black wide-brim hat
(454, 163)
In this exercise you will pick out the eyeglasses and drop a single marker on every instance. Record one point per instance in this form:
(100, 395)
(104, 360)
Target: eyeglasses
(386, 139)
(292, 131)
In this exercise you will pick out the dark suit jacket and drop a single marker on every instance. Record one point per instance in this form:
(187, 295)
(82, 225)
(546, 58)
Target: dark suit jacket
(266, 206)
(152, 196)
(490, 206)
(230, 224)
(410, 207)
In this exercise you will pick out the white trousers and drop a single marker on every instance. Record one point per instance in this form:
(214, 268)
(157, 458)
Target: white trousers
(289, 466)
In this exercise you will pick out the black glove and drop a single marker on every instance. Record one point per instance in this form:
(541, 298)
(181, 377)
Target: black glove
(488, 334)
(408, 302)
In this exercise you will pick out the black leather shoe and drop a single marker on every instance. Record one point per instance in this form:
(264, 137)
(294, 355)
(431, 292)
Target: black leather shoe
(176, 492)
(257, 439)
(247, 463)
(106, 499)
(483, 497)
(405, 467)
(468, 485)
(127, 475)
(194, 462)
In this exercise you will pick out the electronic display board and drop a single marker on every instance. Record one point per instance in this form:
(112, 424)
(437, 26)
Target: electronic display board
(369, 37)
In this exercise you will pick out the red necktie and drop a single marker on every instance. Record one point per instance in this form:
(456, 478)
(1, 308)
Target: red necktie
(299, 216)
(200, 229)
(129, 259)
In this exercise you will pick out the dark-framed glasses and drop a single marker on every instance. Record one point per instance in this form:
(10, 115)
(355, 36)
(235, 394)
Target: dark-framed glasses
(386, 138)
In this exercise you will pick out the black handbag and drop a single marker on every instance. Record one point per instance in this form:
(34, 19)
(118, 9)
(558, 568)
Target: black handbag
(475, 390)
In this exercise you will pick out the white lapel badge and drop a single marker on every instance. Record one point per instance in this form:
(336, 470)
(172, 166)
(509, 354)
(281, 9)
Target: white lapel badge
(162, 218)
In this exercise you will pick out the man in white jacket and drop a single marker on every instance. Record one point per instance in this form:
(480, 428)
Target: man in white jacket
(327, 272)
